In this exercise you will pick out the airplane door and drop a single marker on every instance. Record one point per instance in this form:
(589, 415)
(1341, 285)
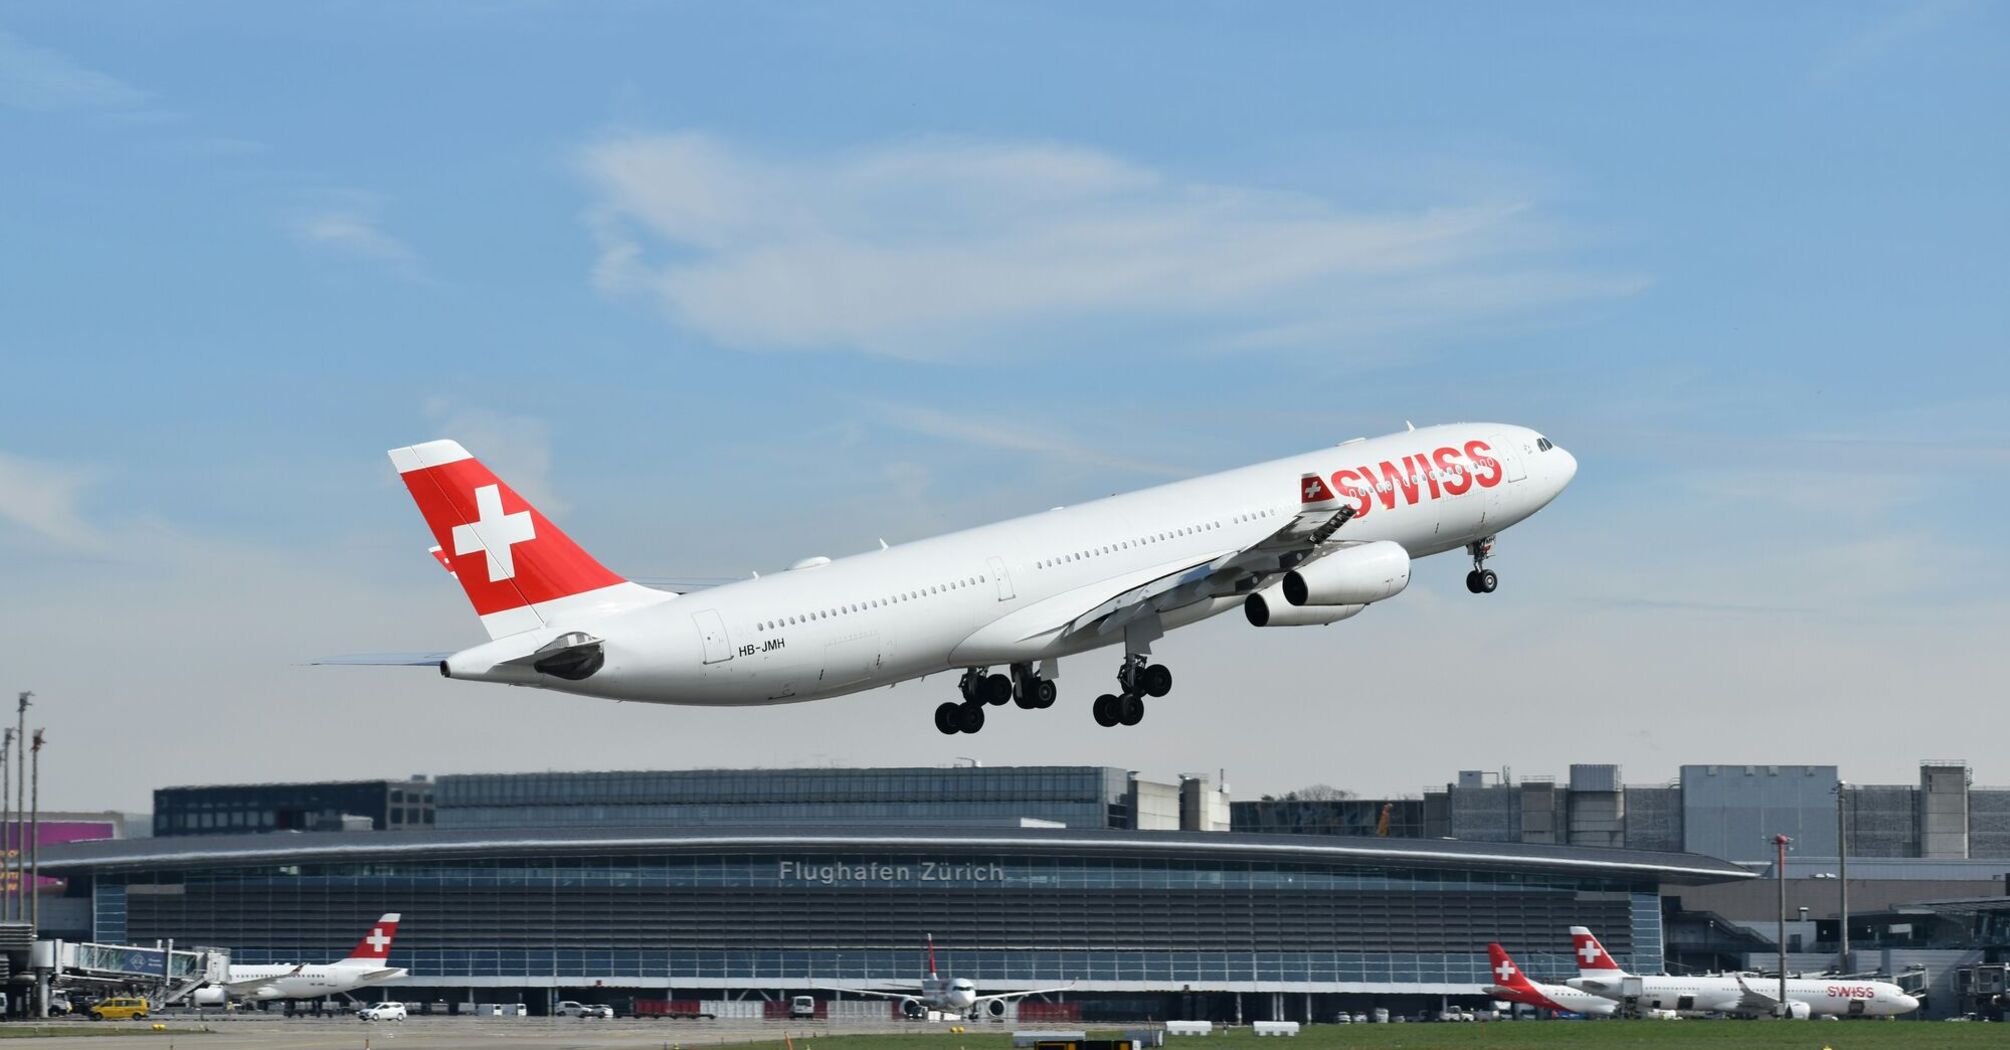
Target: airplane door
(1004, 578)
(1511, 455)
(718, 648)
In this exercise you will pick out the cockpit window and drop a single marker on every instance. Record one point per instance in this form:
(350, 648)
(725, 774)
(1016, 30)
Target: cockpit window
(1543, 444)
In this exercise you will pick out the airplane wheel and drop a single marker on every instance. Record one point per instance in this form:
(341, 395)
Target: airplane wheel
(1107, 711)
(1130, 710)
(1048, 692)
(1028, 698)
(1488, 581)
(1473, 581)
(997, 690)
(946, 718)
(1156, 680)
(970, 717)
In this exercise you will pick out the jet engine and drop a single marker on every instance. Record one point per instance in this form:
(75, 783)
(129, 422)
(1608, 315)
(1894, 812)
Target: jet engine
(912, 1009)
(996, 1007)
(208, 997)
(1267, 608)
(1797, 1010)
(1350, 576)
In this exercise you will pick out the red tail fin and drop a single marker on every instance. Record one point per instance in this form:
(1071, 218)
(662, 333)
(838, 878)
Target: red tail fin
(1506, 973)
(506, 555)
(931, 956)
(1591, 955)
(375, 947)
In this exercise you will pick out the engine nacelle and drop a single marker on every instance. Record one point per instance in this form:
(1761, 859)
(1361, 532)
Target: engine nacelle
(912, 1009)
(1797, 1010)
(996, 1006)
(1350, 576)
(1267, 608)
(209, 997)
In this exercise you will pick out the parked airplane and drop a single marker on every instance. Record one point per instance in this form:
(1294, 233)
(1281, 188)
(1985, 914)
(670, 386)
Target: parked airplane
(1512, 984)
(957, 997)
(1741, 994)
(363, 968)
(1311, 539)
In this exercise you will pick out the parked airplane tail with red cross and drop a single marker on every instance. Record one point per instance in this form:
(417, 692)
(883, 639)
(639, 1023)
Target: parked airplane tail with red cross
(375, 947)
(513, 563)
(1592, 958)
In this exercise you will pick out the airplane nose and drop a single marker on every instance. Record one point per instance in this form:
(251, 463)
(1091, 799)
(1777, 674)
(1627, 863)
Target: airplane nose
(1908, 1003)
(1566, 465)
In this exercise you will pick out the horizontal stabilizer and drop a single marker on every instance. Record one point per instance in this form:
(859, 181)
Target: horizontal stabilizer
(383, 660)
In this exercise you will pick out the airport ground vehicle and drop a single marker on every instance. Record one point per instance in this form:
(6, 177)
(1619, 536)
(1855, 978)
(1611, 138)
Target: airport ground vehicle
(587, 1011)
(119, 1009)
(1308, 540)
(802, 1007)
(382, 1012)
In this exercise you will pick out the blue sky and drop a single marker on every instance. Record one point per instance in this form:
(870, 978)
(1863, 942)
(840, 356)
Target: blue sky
(726, 285)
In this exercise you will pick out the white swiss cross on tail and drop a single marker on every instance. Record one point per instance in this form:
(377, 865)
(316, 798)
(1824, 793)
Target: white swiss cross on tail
(495, 532)
(1591, 955)
(1588, 952)
(1505, 971)
(375, 946)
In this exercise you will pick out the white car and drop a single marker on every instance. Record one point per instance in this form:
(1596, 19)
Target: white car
(383, 1012)
(590, 1011)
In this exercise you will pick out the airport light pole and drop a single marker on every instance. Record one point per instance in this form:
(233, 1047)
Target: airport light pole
(20, 804)
(1780, 876)
(1842, 876)
(6, 822)
(34, 883)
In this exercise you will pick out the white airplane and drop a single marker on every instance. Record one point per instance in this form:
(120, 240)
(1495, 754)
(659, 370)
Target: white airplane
(1739, 994)
(363, 968)
(1310, 539)
(955, 997)
(1512, 984)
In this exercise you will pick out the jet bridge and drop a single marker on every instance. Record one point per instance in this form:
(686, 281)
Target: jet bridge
(172, 972)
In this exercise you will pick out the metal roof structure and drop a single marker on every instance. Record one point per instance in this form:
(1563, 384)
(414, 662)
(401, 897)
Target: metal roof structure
(212, 851)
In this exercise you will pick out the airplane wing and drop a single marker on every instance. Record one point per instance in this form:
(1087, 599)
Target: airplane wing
(1009, 996)
(881, 992)
(1752, 999)
(1229, 573)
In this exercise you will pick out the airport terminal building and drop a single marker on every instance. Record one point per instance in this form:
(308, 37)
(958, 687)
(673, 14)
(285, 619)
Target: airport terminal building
(1155, 923)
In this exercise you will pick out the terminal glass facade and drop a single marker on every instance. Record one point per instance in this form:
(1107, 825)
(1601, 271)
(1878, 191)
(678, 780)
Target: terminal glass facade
(1077, 796)
(771, 918)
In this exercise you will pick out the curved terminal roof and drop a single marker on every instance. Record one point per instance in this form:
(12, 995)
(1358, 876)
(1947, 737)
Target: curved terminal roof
(221, 851)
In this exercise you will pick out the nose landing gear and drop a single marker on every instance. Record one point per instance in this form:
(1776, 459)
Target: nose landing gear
(1482, 579)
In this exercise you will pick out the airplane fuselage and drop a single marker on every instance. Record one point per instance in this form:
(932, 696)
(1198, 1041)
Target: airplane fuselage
(1003, 593)
(309, 982)
(1839, 996)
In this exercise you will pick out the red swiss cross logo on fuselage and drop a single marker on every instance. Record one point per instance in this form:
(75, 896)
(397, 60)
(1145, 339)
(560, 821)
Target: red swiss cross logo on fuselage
(1312, 489)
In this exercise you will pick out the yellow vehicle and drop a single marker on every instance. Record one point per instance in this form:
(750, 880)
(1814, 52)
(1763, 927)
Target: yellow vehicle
(119, 1010)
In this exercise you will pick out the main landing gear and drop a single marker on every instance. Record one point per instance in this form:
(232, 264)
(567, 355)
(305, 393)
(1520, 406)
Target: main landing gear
(1482, 579)
(982, 689)
(1138, 680)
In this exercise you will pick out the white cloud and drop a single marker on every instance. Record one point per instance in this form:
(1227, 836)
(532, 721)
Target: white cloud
(938, 248)
(354, 229)
(1044, 442)
(41, 80)
(1886, 36)
(43, 498)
